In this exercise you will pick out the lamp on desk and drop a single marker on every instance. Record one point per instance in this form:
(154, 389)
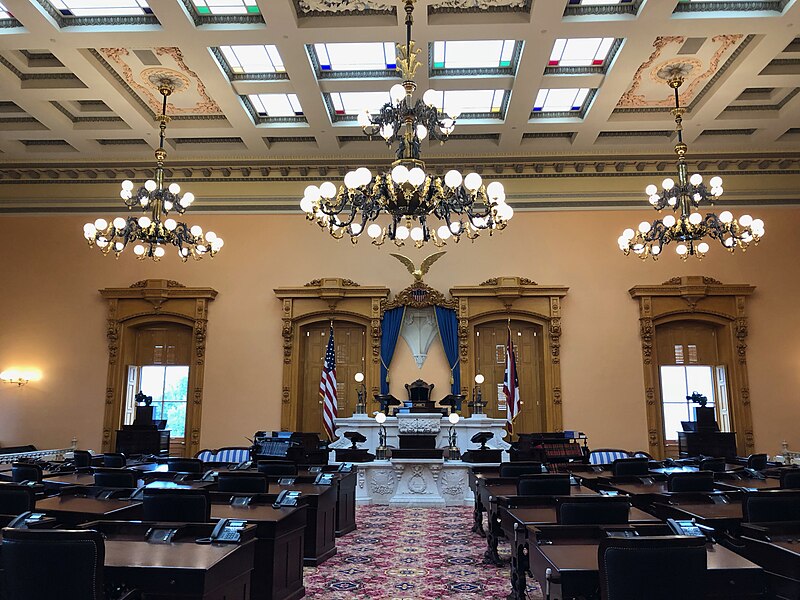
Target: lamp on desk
(476, 406)
(20, 377)
(453, 452)
(361, 391)
(381, 450)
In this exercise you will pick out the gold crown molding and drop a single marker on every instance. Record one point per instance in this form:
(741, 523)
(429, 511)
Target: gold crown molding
(419, 295)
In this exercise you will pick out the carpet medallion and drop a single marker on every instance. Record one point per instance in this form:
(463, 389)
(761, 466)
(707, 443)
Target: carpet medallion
(411, 554)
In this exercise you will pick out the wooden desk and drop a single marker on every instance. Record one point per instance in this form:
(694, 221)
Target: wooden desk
(719, 516)
(320, 532)
(345, 499)
(517, 521)
(72, 510)
(574, 571)
(708, 443)
(278, 566)
(770, 483)
(776, 547)
(182, 569)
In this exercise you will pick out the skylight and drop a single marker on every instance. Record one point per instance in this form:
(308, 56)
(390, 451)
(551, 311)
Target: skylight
(101, 8)
(368, 56)
(478, 54)
(470, 101)
(352, 103)
(226, 7)
(560, 100)
(4, 14)
(597, 2)
(276, 105)
(253, 59)
(580, 52)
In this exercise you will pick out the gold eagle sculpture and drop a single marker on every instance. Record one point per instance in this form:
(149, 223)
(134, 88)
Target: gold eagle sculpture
(423, 268)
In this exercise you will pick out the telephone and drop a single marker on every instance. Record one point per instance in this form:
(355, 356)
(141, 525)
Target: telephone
(345, 468)
(228, 531)
(315, 470)
(624, 533)
(243, 466)
(647, 480)
(286, 481)
(573, 480)
(241, 501)
(286, 498)
(160, 535)
(755, 474)
(22, 521)
(719, 499)
(324, 479)
(688, 527)
(138, 493)
(209, 475)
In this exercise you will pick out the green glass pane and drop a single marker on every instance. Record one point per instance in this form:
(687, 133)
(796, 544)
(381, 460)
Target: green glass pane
(438, 65)
(252, 9)
(175, 414)
(204, 10)
(505, 63)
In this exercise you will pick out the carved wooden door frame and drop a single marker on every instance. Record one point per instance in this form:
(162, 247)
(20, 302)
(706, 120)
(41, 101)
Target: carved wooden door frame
(696, 298)
(148, 302)
(521, 299)
(319, 301)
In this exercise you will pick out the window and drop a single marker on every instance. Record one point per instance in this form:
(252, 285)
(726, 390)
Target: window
(168, 385)
(478, 54)
(276, 105)
(678, 382)
(367, 56)
(470, 101)
(580, 52)
(597, 2)
(101, 8)
(253, 59)
(226, 7)
(352, 103)
(560, 100)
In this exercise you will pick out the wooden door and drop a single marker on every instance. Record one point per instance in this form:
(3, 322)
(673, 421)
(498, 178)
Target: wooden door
(350, 343)
(490, 354)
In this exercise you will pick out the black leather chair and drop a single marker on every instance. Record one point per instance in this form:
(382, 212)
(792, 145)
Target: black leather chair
(717, 465)
(591, 510)
(771, 506)
(255, 483)
(116, 478)
(277, 468)
(518, 469)
(53, 563)
(185, 465)
(630, 467)
(544, 484)
(82, 458)
(700, 481)
(21, 472)
(757, 462)
(16, 499)
(176, 505)
(790, 479)
(656, 568)
(114, 460)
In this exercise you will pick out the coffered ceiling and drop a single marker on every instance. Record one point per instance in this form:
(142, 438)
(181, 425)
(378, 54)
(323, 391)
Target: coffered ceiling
(76, 80)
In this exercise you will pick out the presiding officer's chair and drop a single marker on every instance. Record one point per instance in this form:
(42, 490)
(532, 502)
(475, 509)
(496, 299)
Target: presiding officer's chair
(116, 478)
(277, 468)
(698, 481)
(592, 510)
(656, 568)
(114, 460)
(518, 469)
(55, 564)
(23, 472)
(176, 505)
(16, 499)
(185, 465)
(544, 484)
(238, 482)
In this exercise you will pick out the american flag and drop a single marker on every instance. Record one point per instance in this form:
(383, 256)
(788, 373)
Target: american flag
(327, 388)
(511, 385)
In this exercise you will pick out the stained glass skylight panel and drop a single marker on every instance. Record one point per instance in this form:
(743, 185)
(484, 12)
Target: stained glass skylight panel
(253, 59)
(276, 105)
(580, 52)
(4, 14)
(457, 102)
(597, 2)
(226, 7)
(477, 54)
(101, 8)
(352, 103)
(560, 100)
(357, 56)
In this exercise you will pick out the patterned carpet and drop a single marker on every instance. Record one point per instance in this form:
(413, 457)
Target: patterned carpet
(411, 554)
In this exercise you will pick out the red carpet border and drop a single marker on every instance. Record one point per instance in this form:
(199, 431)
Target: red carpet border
(411, 554)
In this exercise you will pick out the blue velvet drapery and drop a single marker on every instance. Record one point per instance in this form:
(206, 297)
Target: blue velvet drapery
(448, 331)
(390, 331)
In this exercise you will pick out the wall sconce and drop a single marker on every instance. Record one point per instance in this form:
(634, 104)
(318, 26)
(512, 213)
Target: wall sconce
(19, 376)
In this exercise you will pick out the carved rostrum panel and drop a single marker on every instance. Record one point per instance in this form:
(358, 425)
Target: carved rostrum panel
(149, 302)
(320, 301)
(705, 300)
(520, 299)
